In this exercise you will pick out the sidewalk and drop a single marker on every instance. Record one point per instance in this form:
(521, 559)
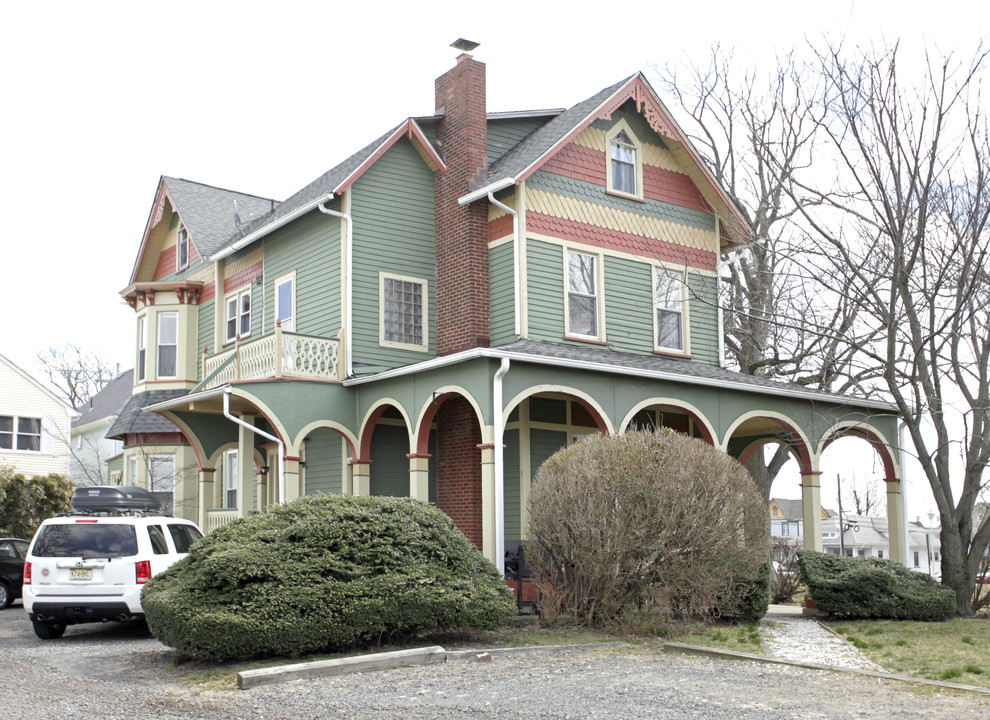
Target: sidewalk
(803, 639)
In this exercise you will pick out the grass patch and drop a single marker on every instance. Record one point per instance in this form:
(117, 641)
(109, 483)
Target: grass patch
(739, 638)
(934, 650)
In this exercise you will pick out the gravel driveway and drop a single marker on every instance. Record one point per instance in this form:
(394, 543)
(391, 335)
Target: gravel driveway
(110, 672)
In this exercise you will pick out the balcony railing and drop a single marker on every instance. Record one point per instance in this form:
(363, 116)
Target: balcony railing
(281, 354)
(218, 518)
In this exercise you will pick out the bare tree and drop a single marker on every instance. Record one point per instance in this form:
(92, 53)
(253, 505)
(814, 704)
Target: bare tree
(76, 374)
(901, 226)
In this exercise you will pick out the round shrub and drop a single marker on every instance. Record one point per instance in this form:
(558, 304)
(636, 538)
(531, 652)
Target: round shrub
(864, 587)
(648, 520)
(325, 572)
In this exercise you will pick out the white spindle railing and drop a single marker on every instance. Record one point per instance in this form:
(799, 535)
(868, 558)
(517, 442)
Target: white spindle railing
(281, 354)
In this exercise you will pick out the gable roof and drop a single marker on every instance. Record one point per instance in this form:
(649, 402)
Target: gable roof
(523, 160)
(334, 182)
(206, 212)
(108, 402)
(39, 386)
(789, 508)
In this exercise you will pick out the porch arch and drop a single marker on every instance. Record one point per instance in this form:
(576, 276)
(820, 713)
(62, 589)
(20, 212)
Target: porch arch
(707, 429)
(766, 427)
(428, 412)
(590, 404)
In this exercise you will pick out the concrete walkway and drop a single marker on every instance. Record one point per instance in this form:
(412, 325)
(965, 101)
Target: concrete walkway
(802, 639)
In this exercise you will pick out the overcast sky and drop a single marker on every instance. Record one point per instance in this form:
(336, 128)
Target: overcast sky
(102, 98)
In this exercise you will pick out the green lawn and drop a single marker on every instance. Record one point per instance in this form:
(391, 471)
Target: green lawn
(954, 650)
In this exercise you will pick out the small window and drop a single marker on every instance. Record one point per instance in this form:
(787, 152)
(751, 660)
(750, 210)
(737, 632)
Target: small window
(230, 470)
(880, 554)
(132, 471)
(158, 544)
(625, 162)
(20, 433)
(142, 338)
(168, 344)
(238, 315)
(669, 309)
(917, 560)
(582, 294)
(182, 252)
(285, 303)
(161, 480)
(403, 320)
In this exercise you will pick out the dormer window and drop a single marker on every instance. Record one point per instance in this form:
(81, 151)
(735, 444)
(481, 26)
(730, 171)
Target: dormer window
(182, 251)
(625, 164)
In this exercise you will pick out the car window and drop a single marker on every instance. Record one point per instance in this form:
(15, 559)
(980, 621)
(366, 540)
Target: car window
(158, 543)
(22, 547)
(86, 540)
(7, 550)
(183, 536)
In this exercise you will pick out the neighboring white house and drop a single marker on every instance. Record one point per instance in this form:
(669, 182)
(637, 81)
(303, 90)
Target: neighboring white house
(95, 459)
(866, 536)
(33, 423)
(786, 519)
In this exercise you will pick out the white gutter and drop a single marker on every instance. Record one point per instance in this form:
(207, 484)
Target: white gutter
(499, 470)
(252, 428)
(516, 288)
(474, 353)
(349, 292)
(483, 192)
(266, 229)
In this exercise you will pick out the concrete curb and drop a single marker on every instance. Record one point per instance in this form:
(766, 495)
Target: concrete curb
(400, 658)
(732, 655)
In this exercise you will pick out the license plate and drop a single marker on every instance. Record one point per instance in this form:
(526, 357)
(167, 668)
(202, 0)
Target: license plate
(81, 574)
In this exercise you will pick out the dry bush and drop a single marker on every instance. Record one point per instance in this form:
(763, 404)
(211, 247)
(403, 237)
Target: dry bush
(646, 521)
(785, 582)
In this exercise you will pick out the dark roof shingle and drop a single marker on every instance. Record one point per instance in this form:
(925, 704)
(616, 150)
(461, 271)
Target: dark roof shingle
(132, 420)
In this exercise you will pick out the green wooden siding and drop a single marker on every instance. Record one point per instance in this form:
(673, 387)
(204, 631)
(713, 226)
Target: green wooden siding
(323, 462)
(511, 487)
(703, 318)
(629, 305)
(503, 135)
(394, 232)
(543, 444)
(501, 284)
(545, 286)
(390, 467)
(204, 335)
(309, 246)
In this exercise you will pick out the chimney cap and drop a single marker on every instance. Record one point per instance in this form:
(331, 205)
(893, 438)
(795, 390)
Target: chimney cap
(464, 45)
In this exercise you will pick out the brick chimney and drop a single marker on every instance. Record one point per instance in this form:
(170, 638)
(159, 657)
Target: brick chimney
(462, 231)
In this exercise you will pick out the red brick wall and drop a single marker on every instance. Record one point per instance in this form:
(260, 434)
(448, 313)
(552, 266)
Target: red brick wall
(459, 467)
(462, 231)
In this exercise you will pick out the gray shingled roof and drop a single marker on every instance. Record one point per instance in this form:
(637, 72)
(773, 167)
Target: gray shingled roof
(132, 420)
(650, 363)
(108, 402)
(208, 212)
(790, 508)
(538, 142)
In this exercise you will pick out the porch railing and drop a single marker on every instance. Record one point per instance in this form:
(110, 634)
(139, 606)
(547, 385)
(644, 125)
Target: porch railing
(280, 354)
(218, 518)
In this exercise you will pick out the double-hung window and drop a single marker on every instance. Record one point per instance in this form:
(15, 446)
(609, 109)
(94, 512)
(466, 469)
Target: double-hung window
(403, 316)
(238, 315)
(182, 249)
(285, 303)
(230, 471)
(20, 433)
(582, 294)
(625, 162)
(670, 309)
(161, 480)
(142, 346)
(168, 344)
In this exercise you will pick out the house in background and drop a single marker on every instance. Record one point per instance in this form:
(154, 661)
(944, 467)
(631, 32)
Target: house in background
(866, 536)
(447, 307)
(34, 424)
(786, 520)
(96, 459)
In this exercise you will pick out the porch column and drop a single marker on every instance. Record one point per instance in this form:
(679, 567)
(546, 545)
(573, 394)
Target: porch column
(895, 523)
(206, 497)
(419, 476)
(245, 467)
(291, 479)
(261, 491)
(811, 510)
(361, 477)
(488, 501)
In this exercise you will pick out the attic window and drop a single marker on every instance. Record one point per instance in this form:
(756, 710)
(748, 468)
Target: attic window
(182, 251)
(625, 165)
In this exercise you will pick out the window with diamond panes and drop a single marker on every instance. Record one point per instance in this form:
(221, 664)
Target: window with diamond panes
(403, 321)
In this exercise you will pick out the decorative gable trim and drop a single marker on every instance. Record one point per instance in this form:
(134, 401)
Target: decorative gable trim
(157, 214)
(411, 130)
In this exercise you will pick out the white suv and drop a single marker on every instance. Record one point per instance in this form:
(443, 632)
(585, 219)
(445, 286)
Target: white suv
(91, 565)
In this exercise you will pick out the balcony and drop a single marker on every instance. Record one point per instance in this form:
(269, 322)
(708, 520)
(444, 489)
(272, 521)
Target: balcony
(278, 355)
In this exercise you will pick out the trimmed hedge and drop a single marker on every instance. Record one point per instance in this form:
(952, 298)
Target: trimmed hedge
(324, 573)
(865, 587)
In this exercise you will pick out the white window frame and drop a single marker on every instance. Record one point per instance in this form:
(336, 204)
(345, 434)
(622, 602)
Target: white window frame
(132, 470)
(383, 339)
(290, 323)
(622, 126)
(182, 249)
(680, 275)
(158, 355)
(230, 472)
(15, 434)
(142, 348)
(597, 296)
(169, 481)
(236, 301)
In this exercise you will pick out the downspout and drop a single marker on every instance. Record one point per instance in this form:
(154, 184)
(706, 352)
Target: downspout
(256, 431)
(516, 288)
(349, 292)
(499, 463)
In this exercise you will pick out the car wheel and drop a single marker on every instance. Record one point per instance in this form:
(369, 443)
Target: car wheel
(48, 629)
(6, 597)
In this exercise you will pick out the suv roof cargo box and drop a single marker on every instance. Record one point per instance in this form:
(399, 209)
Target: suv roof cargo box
(113, 498)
